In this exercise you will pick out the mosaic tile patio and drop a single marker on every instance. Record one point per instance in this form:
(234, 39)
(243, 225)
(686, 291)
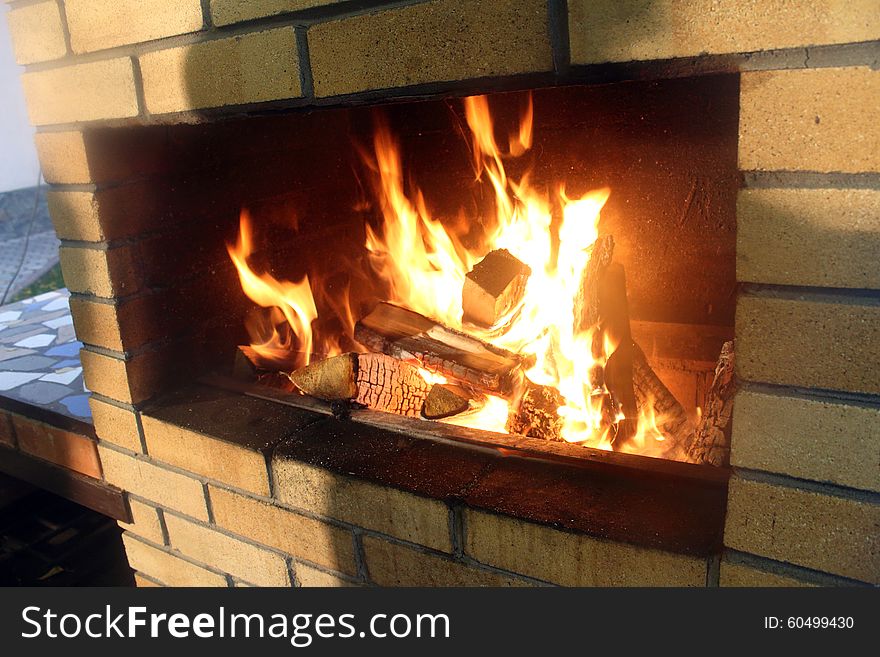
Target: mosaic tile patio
(39, 356)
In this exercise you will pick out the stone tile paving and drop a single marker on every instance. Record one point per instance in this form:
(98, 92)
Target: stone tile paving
(39, 355)
(28, 245)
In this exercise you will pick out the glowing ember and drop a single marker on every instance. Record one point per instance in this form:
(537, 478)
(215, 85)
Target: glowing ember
(422, 264)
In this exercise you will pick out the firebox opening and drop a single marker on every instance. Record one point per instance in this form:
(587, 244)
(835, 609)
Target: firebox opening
(306, 219)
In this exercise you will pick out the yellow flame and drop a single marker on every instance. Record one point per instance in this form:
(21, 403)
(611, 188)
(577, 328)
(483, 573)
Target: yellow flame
(492, 416)
(421, 263)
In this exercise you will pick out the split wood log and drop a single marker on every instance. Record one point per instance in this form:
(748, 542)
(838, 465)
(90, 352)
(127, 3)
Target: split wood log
(537, 415)
(671, 417)
(247, 357)
(446, 400)
(493, 288)
(377, 381)
(710, 442)
(414, 338)
(586, 303)
(244, 363)
(618, 374)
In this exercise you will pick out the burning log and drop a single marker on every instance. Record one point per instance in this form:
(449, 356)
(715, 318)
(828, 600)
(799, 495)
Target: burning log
(493, 288)
(710, 442)
(614, 322)
(245, 363)
(586, 304)
(671, 417)
(377, 381)
(413, 338)
(446, 400)
(331, 379)
(537, 415)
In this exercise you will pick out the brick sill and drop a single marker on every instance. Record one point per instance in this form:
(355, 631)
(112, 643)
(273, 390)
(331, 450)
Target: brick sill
(671, 507)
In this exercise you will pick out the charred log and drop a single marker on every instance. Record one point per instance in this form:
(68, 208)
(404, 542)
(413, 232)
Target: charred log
(413, 338)
(493, 288)
(586, 304)
(614, 323)
(537, 415)
(377, 381)
(244, 363)
(650, 391)
(710, 442)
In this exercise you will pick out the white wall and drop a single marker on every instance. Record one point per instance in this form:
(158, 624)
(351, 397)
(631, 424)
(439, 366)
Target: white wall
(18, 157)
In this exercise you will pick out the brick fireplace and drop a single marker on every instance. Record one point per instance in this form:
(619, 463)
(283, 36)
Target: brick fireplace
(157, 120)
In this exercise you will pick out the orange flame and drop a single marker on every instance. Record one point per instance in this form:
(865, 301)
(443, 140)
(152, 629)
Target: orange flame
(292, 299)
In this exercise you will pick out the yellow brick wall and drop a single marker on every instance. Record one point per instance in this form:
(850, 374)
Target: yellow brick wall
(626, 30)
(100, 24)
(37, 32)
(806, 245)
(807, 236)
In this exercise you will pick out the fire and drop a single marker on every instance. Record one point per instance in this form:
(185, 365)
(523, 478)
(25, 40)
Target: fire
(422, 264)
(293, 301)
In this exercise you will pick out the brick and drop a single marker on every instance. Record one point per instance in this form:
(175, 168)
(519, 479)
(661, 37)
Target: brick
(145, 522)
(104, 155)
(823, 532)
(142, 581)
(812, 344)
(63, 157)
(243, 560)
(837, 442)
(820, 237)
(576, 560)
(252, 68)
(442, 40)
(387, 510)
(284, 530)
(109, 214)
(228, 435)
(121, 326)
(65, 448)
(129, 381)
(226, 12)
(99, 24)
(75, 215)
(824, 119)
(741, 575)
(37, 32)
(312, 577)
(167, 567)
(7, 433)
(103, 272)
(163, 487)
(389, 564)
(114, 424)
(626, 30)
(83, 92)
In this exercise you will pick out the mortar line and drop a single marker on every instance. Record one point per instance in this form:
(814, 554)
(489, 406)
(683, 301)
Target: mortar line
(824, 395)
(787, 569)
(796, 483)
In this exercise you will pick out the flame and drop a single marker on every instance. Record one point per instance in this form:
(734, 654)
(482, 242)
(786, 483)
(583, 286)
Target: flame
(492, 416)
(293, 300)
(422, 263)
(648, 439)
